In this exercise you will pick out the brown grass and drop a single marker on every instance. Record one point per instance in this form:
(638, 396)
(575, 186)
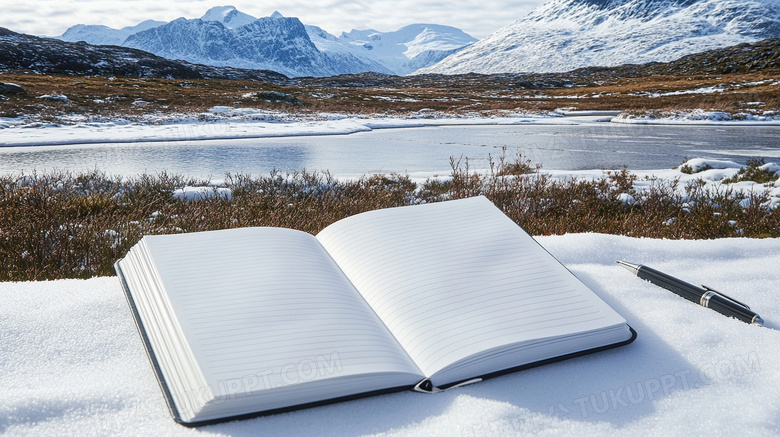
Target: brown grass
(98, 97)
(62, 225)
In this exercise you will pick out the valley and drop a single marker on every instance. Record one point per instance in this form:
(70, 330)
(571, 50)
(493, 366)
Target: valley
(631, 90)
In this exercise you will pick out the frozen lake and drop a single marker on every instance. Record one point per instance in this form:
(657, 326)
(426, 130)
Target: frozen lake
(417, 151)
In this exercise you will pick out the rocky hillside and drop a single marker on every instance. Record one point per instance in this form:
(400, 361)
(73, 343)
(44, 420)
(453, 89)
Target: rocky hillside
(762, 56)
(20, 52)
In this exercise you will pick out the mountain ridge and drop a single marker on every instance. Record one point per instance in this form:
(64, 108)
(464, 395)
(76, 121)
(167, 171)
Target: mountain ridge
(224, 36)
(28, 53)
(562, 35)
(104, 35)
(256, 45)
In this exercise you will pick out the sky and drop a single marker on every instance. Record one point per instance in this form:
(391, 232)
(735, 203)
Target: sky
(477, 18)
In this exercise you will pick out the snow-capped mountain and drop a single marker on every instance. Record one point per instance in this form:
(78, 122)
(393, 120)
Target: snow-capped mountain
(401, 52)
(224, 36)
(229, 16)
(272, 43)
(104, 35)
(562, 35)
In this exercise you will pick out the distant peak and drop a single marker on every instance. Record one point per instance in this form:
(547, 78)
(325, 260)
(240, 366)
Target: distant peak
(217, 12)
(228, 15)
(276, 14)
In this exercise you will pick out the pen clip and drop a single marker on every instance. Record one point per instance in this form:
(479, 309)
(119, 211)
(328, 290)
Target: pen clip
(724, 295)
(425, 386)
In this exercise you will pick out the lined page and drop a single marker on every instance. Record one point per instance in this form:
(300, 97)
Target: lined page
(266, 308)
(457, 278)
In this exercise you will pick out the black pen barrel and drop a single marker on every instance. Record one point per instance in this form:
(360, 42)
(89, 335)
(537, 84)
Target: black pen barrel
(698, 295)
(728, 308)
(681, 288)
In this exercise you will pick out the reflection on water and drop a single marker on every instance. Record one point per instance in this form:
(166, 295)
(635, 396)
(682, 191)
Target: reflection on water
(414, 150)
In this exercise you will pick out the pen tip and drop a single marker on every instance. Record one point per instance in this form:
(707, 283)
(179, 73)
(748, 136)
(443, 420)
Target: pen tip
(630, 267)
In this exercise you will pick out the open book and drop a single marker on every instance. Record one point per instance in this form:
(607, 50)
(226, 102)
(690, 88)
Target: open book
(252, 321)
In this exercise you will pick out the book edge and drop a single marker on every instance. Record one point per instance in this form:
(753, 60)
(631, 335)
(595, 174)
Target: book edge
(169, 398)
(147, 345)
(421, 387)
(429, 388)
(246, 416)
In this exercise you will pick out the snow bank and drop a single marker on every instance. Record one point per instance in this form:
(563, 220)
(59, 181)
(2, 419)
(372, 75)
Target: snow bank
(225, 123)
(191, 194)
(59, 97)
(6, 122)
(707, 172)
(73, 363)
(701, 116)
(221, 122)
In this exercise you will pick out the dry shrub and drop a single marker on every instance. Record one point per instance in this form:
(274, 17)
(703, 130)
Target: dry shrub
(61, 225)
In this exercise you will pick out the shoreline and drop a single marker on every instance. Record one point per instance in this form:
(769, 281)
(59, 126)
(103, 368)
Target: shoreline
(112, 132)
(261, 124)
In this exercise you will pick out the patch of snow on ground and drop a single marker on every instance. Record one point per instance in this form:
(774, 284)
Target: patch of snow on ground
(191, 194)
(701, 116)
(227, 122)
(60, 97)
(6, 122)
(74, 364)
(710, 172)
(705, 90)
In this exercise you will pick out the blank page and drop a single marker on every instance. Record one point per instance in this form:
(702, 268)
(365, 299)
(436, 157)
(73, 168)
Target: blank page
(454, 279)
(267, 308)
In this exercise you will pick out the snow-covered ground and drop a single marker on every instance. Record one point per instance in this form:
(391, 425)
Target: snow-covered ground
(222, 122)
(73, 363)
(709, 172)
(702, 117)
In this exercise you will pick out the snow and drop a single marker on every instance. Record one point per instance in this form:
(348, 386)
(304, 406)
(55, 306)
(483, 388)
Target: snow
(60, 97)
(701, 116)
(238, 40)
(574, 113)
(563, 35)
(229, 16)
(225, 122)
(627, 199)
(6, 122)
(192, 194)
(73, 363)
(700, 164)
(707, 171)
(400, 52)
(704, 90)
(104, 35)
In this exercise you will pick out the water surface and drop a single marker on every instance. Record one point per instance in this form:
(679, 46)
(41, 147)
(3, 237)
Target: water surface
(412, 150)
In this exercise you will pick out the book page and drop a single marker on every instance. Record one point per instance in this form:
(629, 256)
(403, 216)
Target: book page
(267, 308)
(455, 279)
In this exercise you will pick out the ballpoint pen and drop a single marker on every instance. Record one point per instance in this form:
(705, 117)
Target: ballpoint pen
(704, 296)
